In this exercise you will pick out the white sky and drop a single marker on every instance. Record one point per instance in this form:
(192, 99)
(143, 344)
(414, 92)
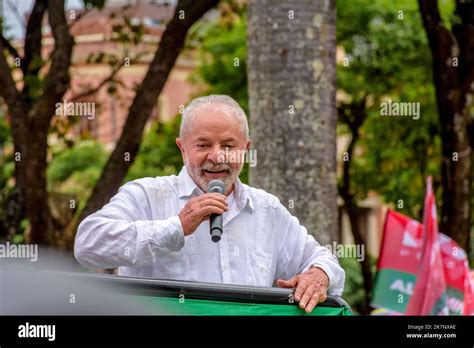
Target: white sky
(13, 27)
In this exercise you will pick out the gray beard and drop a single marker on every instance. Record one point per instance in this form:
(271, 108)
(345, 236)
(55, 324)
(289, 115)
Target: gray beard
(202, 182)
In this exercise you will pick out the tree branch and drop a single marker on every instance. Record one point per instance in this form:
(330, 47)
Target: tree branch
(463, 30)
(354, 115)
(94, 90)
(57, 80)
(33, 38)
(8, 46)
(452, 87)
(109, 78)
(16, 107)
(438, 34)
(8, 91)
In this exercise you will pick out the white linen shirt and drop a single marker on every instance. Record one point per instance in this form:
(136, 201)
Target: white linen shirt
(139, 232)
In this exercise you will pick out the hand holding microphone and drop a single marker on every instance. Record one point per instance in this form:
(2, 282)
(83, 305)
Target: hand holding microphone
(200, 208)
(216, 220)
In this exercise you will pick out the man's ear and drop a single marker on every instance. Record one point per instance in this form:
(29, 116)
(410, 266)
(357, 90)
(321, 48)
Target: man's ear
(247, 146)
(180, 144)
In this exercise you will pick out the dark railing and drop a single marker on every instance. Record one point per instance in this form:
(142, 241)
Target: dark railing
(197, 290)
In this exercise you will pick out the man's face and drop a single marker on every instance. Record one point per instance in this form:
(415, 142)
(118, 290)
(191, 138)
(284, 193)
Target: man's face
(212, 147)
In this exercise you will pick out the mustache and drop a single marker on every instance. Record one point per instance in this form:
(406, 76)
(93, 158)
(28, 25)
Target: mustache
(217, 167)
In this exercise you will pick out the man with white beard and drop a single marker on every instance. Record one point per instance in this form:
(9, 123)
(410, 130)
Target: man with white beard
(159, 227)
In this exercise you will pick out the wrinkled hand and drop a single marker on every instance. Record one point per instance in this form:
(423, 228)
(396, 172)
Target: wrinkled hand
(311, 287)
(200, 208)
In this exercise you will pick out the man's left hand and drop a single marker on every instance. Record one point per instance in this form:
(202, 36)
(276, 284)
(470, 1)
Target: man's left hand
(311, 287)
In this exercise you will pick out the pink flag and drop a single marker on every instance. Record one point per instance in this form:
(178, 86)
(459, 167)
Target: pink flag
(429, 294)
(469, 292)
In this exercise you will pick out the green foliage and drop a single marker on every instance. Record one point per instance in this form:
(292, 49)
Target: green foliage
(389, 59)
(7, 172)
(127, 32)
(354, 286)
(89, 4)
(223, 61)
(446, 9)
(35, 82)
(19, 238)
(6, 162)
(386, 54)
(159, 155)
(76, 170)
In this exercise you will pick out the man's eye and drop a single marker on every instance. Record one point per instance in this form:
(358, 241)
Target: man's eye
(229, 146)
(201, 146)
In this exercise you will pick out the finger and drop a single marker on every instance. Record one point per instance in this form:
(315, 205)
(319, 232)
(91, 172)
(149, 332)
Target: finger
(287, 283)
(313, 302)
(214, 195)
(205, 197)
(207, 211)
(300, 290)
(308, 294)
(323, 297)
(213, 202)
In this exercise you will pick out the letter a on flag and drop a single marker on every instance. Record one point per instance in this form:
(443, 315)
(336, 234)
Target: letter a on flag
(429, 294)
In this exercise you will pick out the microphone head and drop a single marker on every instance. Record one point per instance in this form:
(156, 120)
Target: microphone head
(216, 186)
(216, 236)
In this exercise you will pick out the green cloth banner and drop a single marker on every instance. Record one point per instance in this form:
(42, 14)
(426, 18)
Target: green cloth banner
(182, 306)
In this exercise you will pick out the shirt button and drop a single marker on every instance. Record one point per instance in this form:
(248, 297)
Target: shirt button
(262, 269)
(224, 268)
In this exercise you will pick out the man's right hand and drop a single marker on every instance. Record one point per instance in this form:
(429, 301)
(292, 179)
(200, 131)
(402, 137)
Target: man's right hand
(200, 208)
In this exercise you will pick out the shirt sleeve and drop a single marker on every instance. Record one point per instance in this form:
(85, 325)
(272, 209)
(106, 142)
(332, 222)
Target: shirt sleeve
(299, 251)
(122, 233)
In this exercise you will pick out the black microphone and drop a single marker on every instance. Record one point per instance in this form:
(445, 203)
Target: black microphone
(216, 220)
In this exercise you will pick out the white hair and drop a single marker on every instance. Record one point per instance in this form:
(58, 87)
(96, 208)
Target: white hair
(224, 103)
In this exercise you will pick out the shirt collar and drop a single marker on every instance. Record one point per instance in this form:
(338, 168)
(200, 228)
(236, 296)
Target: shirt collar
(187, 187)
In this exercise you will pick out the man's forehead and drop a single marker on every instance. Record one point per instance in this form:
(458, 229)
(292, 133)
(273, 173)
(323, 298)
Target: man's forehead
(212, 119)
(213, 136)
(213, 113)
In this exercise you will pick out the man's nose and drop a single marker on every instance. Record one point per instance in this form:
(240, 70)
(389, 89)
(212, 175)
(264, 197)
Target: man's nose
(216, 154)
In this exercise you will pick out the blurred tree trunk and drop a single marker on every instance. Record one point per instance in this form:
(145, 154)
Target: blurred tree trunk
(291, 73)
(354, 116)
(12, 214)
(453, 73)
(31, 110)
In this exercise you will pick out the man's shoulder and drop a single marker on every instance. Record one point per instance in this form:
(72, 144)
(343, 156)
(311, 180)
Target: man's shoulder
(153, 183)
(262, 198)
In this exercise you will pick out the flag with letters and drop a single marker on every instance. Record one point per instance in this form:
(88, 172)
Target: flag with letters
(400, 263)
